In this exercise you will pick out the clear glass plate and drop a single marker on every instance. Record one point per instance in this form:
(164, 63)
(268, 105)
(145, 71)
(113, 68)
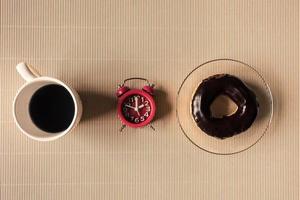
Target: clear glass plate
(238, 142)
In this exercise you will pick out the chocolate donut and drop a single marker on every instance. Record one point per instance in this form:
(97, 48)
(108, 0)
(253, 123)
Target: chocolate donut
(238, 92)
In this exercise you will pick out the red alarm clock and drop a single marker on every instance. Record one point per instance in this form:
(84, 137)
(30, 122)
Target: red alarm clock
(136, 107)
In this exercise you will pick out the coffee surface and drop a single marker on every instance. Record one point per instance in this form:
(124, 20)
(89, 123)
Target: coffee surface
(52, 108)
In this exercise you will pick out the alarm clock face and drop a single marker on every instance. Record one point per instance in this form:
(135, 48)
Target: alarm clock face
(137, 108)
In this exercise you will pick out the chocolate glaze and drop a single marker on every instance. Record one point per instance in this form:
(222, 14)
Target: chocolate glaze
(234, 88)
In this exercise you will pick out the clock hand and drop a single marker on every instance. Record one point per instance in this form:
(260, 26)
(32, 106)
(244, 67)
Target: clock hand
(136, 103)
(128, 106)
(137, 106)
(141, 106)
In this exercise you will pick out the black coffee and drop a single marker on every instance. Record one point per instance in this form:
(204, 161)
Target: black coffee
(52, 108)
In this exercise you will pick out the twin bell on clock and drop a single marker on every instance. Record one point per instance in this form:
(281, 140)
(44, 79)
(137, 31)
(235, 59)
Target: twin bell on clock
(136, 107)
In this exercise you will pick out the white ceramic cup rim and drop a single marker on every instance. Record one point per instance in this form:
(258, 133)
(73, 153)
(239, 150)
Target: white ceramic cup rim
(52, 136)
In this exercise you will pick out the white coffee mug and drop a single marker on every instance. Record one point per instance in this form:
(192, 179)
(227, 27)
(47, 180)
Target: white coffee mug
(22, 100)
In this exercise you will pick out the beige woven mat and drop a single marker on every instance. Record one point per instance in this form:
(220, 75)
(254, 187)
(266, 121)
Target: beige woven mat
(93, 45)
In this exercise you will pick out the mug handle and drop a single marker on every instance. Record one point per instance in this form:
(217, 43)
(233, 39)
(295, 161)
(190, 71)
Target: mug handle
(27, 72)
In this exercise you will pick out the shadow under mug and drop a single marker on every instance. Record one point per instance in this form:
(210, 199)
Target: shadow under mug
(22, 101)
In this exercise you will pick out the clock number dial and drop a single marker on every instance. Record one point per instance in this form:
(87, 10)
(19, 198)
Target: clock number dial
(136, 109)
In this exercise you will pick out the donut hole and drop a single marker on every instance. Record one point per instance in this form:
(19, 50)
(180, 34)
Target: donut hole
(223, 106)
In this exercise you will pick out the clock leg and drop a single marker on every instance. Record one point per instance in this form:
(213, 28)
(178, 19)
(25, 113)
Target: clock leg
(122, 128)
(152, 127)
